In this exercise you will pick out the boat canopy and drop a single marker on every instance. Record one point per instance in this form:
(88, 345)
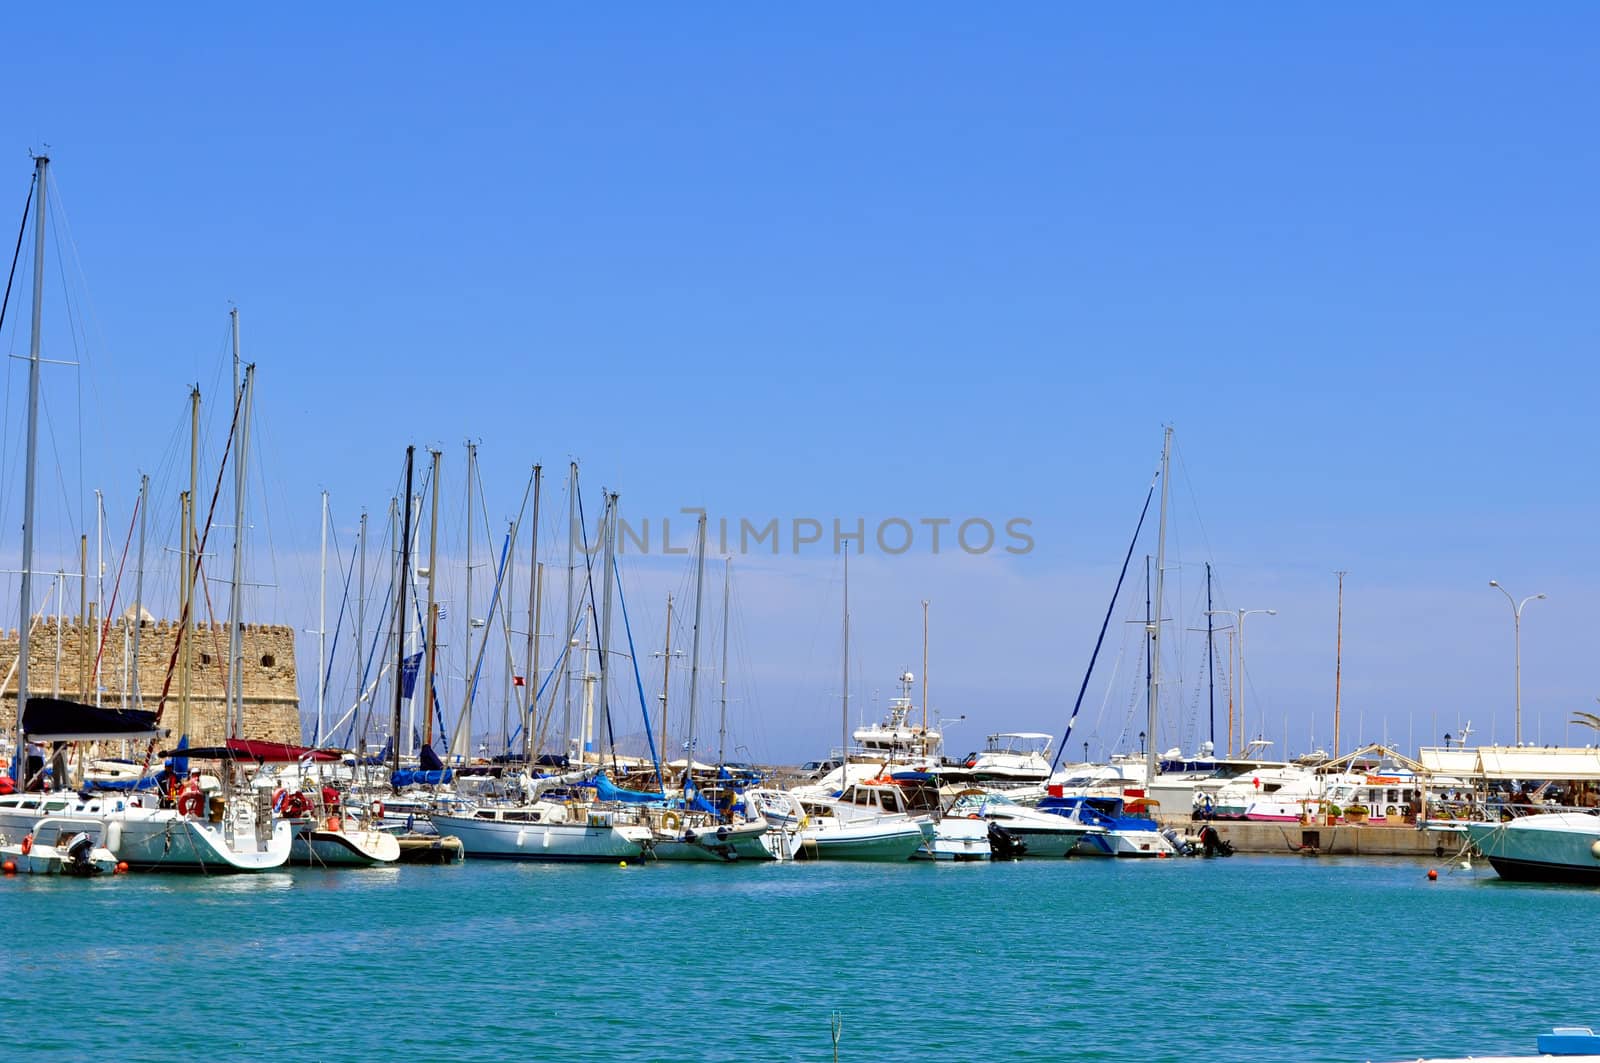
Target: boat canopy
(251, 749)
(60, 720)
(1514, 762)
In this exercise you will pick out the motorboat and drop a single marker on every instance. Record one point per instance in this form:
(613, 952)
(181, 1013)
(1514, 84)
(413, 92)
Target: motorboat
(1124, 834)
(1542, 847)
(1016, 757)
(813, 829)
(62, 845)
(1042, 834)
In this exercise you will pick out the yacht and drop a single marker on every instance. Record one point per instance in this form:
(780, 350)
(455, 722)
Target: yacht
(547, 831)
(821, 828)
(1543, 847)
(1013, 757)
(1124, 833)
(1042, 834)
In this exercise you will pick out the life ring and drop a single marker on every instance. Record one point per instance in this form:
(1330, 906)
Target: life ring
(671, 820)
(190, 803)
(27, 844)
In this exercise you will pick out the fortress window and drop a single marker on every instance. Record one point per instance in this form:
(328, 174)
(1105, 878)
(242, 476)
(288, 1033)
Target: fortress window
(267, 660)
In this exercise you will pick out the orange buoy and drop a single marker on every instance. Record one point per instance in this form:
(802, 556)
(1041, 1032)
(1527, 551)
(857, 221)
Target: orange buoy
(9, 867)
(1433, 876)
(122, 867)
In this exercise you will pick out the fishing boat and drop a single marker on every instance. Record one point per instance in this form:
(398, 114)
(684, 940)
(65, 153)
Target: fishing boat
(812, 830)
(62, 845)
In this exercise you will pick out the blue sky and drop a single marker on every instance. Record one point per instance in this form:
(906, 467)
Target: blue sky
(910, 261)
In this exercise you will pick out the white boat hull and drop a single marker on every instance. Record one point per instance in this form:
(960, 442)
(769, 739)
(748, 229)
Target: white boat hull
(1548, 847)
(1126, 843)
(721, 843)
(504, 840)
(957, 839)
(344, 848)
(891, 842)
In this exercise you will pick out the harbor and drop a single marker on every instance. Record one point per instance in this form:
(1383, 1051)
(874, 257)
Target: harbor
(643, 533)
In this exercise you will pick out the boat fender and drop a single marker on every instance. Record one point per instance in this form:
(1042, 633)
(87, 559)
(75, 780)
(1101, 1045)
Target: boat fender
(189, 803)
(1594, 850)
(114, 835)
(277, 798)
(27, 844)
(973, 815)
(671, 820)
(689, 836)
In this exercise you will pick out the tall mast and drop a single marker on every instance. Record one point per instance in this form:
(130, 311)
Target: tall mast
(41, 170)
(694, 655)
(608, 540)
(83, 617)
(191, 559)
(925, 677)
(394, 592)
(530, 739)
(568, 632)
(666, 672)
(138, 586)
(844, 698)
(361, 621)
(235, 709)
(432, 615)
(722, 720)
(1155, 619)
(509, 567)
(322, 624)
(530, 672)
(400, 619)
(1211, 685)
(464, 725)
(1338, 664)
(99, 589)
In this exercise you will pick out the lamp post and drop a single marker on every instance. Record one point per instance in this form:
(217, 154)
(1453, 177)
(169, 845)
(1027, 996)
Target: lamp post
(1516, 628)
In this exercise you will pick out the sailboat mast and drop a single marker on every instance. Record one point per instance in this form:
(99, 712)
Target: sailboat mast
(1155, 620)
(361, 621)
(694, 657)
(41, 170)
(666, 672)
(1211, 685)
(432, 615)
(569, 632)
(191, 560)
(844, 697)
(99, 589)
(463, 740)
(1338, 664)
(925, 677)
(138, 586)
(722, 719)
(322, 625)
(400, 621)
(235, 707)
(530, 672)
(608, 542)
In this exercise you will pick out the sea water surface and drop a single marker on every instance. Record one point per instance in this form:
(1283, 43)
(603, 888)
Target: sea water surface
(1249, 958)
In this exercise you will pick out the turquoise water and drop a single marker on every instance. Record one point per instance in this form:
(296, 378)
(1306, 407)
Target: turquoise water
(1253, 958)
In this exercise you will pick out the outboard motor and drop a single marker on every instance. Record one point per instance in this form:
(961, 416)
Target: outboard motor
(1214, 844)
(1178, 842)
(78, 849)
(1003, 845)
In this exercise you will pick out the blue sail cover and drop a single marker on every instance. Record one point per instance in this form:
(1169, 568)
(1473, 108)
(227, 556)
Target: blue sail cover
(606, 790)
(410, 777)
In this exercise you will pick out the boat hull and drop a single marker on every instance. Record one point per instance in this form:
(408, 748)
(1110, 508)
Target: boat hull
(955, 839)
(887, 843)
(1550, 847)
(551, 842)
(716, 844)
(342, 848)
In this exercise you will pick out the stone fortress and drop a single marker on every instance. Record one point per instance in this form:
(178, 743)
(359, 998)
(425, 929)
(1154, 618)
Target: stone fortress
(62, 652)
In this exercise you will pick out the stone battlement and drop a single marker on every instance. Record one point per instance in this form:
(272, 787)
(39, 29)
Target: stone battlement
(62, 654)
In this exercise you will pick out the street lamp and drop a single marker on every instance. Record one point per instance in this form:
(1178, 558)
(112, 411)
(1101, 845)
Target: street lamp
(1238, 623)
(1516, 627)
(1141, 743)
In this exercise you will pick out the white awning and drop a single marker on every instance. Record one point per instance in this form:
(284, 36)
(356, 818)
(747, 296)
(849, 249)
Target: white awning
(1514, 762)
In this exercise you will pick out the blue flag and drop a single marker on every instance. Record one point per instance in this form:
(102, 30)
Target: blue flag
(408, 674)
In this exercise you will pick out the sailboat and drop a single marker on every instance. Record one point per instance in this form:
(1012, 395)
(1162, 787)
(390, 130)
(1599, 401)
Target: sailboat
(219, 834)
